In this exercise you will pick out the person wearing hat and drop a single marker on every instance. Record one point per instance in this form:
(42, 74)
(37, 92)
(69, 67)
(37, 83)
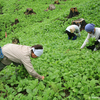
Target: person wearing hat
(20, 54)
(92, 32)
(71, 30)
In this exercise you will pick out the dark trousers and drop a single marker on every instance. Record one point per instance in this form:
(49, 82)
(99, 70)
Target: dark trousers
(91, 47)
(96, 44)
(2, 66)
(70, 35)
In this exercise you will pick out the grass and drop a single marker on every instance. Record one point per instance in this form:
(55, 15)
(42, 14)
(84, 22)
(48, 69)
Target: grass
(69, 73)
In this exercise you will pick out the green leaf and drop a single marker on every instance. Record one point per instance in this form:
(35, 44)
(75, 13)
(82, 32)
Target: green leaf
(41, 86)
(28, 91)
(62, 94)
(19, 89)
(92, 82)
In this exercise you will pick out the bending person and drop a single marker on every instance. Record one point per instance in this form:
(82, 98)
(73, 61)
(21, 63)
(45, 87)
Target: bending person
(92, 32)
(73, 31)
(20, 54)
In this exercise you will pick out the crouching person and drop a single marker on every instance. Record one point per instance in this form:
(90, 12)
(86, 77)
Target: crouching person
(20, 54)
(92, 32)
(73, 31)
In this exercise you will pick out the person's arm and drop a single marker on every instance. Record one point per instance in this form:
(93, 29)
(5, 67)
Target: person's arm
(79, 34)
(29, 67)
(98, 40)
(86, 40)
(78, 30)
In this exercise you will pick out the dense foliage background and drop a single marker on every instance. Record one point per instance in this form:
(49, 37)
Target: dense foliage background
(70, 74)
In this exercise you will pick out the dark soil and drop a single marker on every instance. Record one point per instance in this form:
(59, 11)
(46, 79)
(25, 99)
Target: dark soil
(1, 9)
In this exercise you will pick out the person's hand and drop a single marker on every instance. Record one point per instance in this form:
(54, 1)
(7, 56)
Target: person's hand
(42, 77)
(5, 34)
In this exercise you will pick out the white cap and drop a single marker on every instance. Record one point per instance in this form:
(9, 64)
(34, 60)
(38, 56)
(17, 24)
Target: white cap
(37, 52)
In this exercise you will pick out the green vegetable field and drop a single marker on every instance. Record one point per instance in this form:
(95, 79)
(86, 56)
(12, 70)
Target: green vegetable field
(70, 74)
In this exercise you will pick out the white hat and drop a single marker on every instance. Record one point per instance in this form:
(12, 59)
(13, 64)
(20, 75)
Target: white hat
(37, 52)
